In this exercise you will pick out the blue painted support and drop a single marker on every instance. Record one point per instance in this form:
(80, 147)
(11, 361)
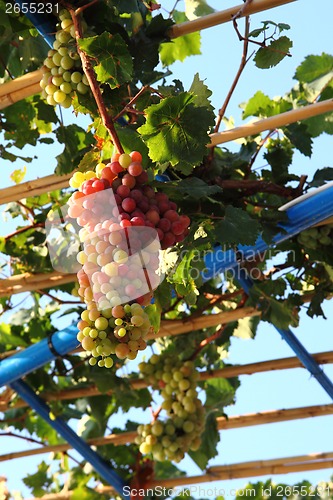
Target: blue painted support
(37, 355)
(303, 355)
(99, 464)
(44, 23)
(305, 214)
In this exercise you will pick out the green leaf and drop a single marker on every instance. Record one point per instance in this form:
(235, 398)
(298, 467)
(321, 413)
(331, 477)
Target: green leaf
(209, 440)
(182, 46)
(321, 176)
(279, 155)
(45, 112)
(8, 339)
(39, 480)
(314, 67)
(247, 328)
(76, 140)
(237, 227)
(299, 135)
(191, 186)
(220, 392)
(201, 93)
(154, 314)
(114, 63)
(89, 161)
(176, 131)
(257, 105)
(272, 54)
(197, 8)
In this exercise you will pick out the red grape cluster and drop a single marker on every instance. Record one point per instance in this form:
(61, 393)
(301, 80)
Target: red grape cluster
(124, 223)
(180, 432)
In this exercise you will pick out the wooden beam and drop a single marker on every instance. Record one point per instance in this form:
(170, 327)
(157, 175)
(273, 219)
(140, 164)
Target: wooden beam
(136, 384)
(27, 282)
(223, 16)
(272, 122)
(286, 465)
(223, 423)
(34, 188)
(20, 88)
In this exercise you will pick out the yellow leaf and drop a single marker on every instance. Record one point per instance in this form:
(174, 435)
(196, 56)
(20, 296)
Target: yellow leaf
(18, 175)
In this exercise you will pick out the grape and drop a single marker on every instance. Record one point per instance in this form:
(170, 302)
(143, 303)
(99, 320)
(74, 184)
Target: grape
(64, 66)
(180, 432)
(59, 96)
(115, 325)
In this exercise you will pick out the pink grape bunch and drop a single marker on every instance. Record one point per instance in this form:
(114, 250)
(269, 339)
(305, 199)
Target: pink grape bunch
(63, 74)
(170, 438)
(124, 223)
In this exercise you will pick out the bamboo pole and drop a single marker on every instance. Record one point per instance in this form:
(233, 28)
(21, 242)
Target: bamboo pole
(223, 16)
(28, 282)
(178, 327)
(20, 88)
(34, 188)
(272, 122)
(227, 372)
(223, 423)
(284, 465)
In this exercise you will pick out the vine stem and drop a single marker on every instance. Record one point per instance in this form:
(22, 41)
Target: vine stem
(93, 83)
(23, 229)
(207, 341)
(244, 60)
(14, 434)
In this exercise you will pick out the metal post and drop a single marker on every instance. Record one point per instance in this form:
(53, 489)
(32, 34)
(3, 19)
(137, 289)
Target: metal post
(37, 355)
(303, 355)
(99, 464)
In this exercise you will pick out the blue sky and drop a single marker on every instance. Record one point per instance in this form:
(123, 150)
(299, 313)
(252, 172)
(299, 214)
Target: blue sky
(221, 51)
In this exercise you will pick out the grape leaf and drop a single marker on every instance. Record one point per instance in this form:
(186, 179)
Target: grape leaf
(272, 54)
(197, 8)
(299, 135)
(257, 105)
(237, 228)
(76, 140)
(114, 65)
(247, 328)
(201, 93)
(176, 131)
(182, 46)
(220, 392)
(192, 186)
(313, 67)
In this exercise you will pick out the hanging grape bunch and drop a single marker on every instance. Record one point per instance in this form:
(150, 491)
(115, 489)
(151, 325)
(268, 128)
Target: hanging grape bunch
(316, 237)
(124, 223)
(171, 438)
(63, 71)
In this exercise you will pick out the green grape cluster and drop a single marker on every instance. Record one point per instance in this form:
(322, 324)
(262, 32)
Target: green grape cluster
(63, 70)
(171, 438)
(120, 330)
(316, 237)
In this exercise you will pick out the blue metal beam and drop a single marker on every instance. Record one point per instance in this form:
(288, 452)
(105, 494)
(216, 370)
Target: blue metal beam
(303, 355)
(99, 464)
(37, 355)
(305, 214)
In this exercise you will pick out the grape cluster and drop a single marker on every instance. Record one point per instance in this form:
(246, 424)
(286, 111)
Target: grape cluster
(63, 71)
(315, 237)
(121, 220)
(180, 432)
